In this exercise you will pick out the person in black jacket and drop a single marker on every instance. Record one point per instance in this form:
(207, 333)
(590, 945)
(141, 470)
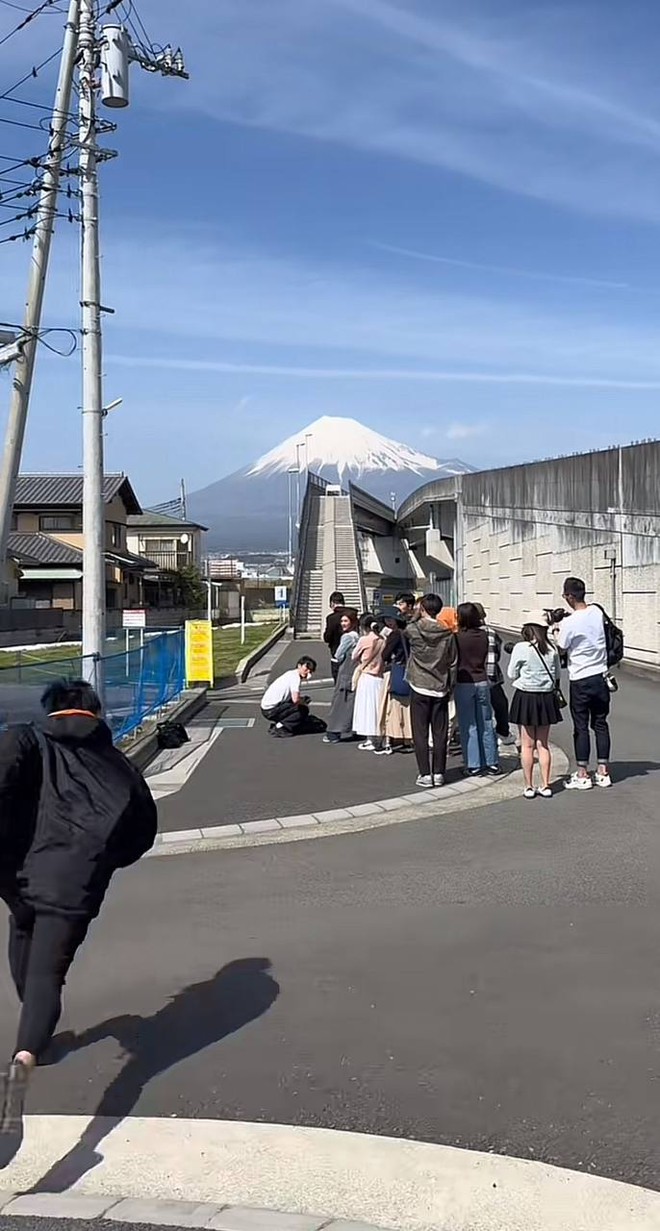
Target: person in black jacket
(333, 630)
(72, 811)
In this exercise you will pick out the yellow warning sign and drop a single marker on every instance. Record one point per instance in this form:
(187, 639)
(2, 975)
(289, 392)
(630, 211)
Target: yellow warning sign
(199, 652)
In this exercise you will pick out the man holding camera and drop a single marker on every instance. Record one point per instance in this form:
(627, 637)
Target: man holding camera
(581, 636)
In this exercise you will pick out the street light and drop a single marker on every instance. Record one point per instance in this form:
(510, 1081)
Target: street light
(291, 470)
(105, 411)
(298, 448)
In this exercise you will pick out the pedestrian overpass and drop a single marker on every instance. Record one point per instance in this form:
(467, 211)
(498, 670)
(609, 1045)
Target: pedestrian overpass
(352, 542)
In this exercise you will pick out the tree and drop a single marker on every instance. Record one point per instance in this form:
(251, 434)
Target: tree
(188, 586)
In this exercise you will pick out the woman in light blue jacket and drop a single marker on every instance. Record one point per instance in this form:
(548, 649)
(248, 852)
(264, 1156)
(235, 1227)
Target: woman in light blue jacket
(534, 671)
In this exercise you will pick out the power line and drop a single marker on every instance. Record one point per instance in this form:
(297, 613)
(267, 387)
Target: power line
(47, 4)
(31, 75)
(26, 234)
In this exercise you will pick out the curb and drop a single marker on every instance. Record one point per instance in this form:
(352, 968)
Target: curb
(85, 1208)
(246, 664)
(422, 805)
(143, 751)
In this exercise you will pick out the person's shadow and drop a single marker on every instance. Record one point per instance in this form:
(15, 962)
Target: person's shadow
(194, 1018)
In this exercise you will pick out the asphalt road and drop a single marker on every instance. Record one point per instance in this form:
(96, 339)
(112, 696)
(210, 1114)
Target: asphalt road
(247, 775)
(490, 980)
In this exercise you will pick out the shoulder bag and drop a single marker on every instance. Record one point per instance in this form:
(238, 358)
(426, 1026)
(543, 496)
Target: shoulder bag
(561, 699)
(399, 686)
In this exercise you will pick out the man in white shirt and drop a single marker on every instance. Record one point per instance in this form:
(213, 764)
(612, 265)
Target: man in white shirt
(582, 637)
(282, 704)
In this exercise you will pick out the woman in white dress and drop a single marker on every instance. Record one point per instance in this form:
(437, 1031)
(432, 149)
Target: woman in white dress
(368, 659)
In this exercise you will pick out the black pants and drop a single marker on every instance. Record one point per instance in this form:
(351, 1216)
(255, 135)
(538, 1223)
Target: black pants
(334, 668)
(292, 717)
(590, 705)
(41, 950)
(500, 703)
(430, 713)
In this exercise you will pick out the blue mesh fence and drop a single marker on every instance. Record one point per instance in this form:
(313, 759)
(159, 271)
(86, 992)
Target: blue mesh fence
(137, 682)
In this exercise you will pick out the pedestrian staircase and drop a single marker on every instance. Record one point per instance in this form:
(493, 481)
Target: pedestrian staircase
(347, 571)
(328, 558)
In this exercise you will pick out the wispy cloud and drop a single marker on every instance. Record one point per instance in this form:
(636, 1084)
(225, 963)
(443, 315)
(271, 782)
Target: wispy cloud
(495, 93)
(457, 431)
(465, 431)
(534, 275)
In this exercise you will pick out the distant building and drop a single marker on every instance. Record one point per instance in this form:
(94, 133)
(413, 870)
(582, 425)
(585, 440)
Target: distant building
(225, 568)
(172, 543)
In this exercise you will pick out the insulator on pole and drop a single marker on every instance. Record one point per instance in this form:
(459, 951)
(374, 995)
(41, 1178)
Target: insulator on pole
(115, 59)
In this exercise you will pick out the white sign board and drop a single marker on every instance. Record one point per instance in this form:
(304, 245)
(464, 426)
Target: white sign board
(134, 619)
(282, 595)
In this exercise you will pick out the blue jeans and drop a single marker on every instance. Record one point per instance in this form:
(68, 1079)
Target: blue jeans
(475, 721)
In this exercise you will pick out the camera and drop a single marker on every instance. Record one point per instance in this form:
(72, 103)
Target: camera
(557, 615)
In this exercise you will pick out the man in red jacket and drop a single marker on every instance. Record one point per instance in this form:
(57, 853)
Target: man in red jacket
(72, 811)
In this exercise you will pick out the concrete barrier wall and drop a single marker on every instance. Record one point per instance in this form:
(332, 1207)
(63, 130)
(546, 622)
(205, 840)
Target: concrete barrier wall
(595, 516)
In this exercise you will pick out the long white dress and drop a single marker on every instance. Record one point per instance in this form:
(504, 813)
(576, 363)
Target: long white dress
(366, 716)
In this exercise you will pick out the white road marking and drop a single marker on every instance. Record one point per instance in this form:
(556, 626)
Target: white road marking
(407, 1185)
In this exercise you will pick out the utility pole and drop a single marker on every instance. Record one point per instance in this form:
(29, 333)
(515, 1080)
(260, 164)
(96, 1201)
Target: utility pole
(94, 598)
(43, 234)
(103, 67)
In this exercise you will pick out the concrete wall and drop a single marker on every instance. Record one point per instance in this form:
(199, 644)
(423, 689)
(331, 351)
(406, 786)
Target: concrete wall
(516, 533)
(595, 516)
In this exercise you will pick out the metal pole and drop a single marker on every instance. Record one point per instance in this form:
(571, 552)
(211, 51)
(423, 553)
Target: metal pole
(93, 621)
(242, 619)
(209, 594)
(44, 226)
(298, 448)
(290, 521)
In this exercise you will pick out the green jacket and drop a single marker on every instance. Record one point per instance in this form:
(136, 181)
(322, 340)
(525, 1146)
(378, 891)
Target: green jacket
(433, 656)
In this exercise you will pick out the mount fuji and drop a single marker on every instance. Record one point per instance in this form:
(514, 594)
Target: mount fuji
(248, 510)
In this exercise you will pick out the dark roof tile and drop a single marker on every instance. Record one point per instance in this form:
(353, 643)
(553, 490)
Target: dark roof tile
(62, 490)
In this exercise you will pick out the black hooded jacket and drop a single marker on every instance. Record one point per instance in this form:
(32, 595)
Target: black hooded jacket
(72, 810)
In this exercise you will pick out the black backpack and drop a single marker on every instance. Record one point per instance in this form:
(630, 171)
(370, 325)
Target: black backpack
(613, 639)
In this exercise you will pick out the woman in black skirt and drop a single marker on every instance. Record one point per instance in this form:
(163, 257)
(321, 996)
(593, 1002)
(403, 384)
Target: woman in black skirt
(534, 671)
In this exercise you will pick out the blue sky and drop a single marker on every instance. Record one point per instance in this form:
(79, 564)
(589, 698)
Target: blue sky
(439, 218)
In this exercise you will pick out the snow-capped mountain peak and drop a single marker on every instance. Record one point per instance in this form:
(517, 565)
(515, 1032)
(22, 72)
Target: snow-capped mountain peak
(344, 445)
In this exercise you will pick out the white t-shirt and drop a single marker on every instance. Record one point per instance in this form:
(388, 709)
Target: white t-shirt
(582, 635)
(281, 689)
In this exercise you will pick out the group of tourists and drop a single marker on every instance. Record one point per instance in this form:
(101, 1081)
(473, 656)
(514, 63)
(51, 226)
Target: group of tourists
(420, 677)
(405, 679)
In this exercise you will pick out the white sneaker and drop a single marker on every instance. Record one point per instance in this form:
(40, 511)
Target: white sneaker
(529, 792)
(438, 780)
(367, 745)
(577, 782)
(603, 780)
(384, 752)
(424, 781)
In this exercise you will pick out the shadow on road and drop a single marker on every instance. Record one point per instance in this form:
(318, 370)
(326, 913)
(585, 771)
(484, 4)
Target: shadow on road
(621, 770)
(195, 1018)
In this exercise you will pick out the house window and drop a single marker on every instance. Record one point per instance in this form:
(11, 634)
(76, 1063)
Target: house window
(115, 534)
(61, 521)
(159, 545)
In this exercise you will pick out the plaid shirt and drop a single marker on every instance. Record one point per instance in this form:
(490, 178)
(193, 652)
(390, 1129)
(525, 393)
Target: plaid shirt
(493, 669)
